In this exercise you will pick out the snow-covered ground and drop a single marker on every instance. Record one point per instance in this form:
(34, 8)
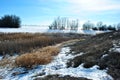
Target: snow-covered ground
(45, 29)
(116, 46)
(1, 57)
(57, 66)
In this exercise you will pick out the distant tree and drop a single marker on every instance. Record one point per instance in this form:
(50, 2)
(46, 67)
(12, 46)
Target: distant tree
(109, 27)
(0, 22)
(118, 26)
(95, 28)
(88, 25)
(99, 24)
(74, 24)
(50, 27)
(103, 27)
(64, 23)
(112, 28)
(10, 21)
(56, 24)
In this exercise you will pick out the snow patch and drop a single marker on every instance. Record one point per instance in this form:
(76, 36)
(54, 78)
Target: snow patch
(90, 73)
(116, 47)
(115, 50)
(104, 55)
(1, 57)
(45, 29)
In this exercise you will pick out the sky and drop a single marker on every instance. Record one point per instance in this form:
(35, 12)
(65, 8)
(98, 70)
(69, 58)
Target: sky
(43, 12)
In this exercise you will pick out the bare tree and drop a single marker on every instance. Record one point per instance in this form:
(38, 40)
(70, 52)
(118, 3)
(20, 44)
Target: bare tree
(64, 23)
(99, 24)
(88, 25)
(118, 26)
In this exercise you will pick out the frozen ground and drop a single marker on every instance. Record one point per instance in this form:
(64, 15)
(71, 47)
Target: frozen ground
(1, 57)
(116, 47)
(57, 66)
(32, 29)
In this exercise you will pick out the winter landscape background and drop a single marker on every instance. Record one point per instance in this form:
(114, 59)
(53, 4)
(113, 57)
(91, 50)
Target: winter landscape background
(59, 40)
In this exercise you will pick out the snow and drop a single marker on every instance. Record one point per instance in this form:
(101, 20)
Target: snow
(57, 66)
(91, 73)
(24, 29)
(45, 29)
(1, 57)
(104, 55)
(116, 47)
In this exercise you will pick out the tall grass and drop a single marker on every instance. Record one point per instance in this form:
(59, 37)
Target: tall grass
(25, 42)
(40, 56)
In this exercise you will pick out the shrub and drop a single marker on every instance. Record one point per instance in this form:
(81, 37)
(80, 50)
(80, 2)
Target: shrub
(111, 28)
(10, 21)
(103, 28)
(41, 56)
(95, 28)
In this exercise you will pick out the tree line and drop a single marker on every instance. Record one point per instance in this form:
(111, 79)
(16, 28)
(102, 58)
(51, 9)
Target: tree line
(99, 26)
(10, 21)
(63, 23)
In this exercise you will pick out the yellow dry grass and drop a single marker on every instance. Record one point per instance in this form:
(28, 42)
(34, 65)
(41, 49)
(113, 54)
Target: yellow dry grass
(41, 56)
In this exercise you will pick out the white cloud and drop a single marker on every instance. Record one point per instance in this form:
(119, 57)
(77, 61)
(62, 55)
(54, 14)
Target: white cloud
(93, 10)
(81, 6)
(93, 5)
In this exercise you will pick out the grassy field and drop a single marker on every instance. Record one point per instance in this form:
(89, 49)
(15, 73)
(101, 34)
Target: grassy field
(33, 49)
(19, 43)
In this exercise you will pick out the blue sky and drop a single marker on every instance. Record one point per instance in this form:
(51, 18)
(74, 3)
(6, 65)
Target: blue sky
(42, 12)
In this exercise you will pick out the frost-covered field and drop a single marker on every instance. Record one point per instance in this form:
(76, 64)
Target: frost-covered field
(32, 29)
(57, 66)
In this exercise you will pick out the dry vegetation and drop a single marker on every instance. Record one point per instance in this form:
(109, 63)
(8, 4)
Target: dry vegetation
(17, 43)
(32, 48)
(94, 49)
(36, 52)
(41, 56)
